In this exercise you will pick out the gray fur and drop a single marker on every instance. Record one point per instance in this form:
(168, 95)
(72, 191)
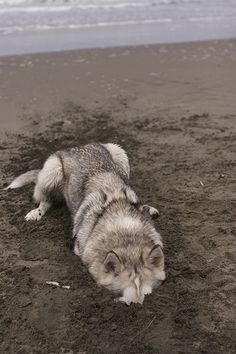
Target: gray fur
(114, 234)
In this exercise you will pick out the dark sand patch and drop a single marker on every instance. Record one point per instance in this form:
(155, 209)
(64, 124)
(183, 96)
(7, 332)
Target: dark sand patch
(183, 165)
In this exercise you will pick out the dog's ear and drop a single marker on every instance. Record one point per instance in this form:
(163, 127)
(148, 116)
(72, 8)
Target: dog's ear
(112, 263)
(154, 257)
(131, 195)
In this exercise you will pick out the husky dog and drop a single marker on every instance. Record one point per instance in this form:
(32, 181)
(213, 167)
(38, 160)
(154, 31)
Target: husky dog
(113, 233)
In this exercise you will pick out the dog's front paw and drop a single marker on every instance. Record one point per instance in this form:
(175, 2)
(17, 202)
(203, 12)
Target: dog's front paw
(34, 214)
(153, 212)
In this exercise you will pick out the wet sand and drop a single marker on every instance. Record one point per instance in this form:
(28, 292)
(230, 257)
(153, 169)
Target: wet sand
(172, 107)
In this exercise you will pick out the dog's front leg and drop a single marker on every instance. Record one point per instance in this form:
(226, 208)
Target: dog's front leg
(38, 213)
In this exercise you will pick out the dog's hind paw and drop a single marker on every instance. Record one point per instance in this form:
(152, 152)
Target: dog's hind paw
(34, 214)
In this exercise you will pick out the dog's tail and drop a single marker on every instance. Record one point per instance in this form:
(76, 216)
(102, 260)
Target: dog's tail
(25, 178)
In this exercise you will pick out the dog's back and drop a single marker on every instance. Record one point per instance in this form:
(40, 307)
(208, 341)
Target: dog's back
(92, 167)
(73, 173)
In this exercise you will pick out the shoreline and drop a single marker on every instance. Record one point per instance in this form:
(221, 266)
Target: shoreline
(54, 40)
(90, 50)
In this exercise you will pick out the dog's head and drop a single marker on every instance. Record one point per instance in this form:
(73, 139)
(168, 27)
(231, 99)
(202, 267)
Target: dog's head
(132, 279)
(125, 255)
(123, 250)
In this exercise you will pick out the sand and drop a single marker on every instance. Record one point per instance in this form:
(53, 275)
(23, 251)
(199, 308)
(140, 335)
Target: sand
(173, 109)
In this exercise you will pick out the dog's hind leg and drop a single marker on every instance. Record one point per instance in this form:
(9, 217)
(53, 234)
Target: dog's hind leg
(119, 156)
(49, 182)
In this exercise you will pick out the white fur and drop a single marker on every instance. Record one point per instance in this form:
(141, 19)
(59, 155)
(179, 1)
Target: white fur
(15, 184)
(38, 213)
(119, 156)
(153, 211)
(33, 215)
(131, 195)
(129, 295)
(137, 284)
(146, 289)
(123, 222)
(49, 177)
(76, 249)
(126, 222)
(135, 293)
(160, 274)
(22, 180)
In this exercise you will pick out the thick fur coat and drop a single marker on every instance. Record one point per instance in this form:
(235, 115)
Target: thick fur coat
(113, 233)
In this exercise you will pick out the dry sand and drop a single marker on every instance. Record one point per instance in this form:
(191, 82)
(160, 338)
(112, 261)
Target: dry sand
(173, 108)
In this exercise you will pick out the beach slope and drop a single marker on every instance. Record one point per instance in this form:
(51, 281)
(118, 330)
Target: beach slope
(172, 107)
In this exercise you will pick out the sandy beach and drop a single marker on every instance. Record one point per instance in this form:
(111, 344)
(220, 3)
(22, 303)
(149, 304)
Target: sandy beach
(172, 107)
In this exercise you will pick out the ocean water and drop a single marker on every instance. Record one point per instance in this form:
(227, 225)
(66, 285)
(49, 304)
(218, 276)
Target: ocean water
(39, 15)
(171, 20)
